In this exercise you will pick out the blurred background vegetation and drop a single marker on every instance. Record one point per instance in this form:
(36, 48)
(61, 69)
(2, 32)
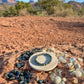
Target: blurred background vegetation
(53, 8)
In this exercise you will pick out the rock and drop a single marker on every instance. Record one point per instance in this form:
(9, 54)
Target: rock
(21, 78)
(62, 60)
(62, 82)
(12, 78)
(55, 70)
(16, 51)
(77, 66)
(19, 65)
(64, 79)
(31, 76)
(40, 81)
(72, 73)
(66, 55)
(22, 82)
(16, 72)
(69, 65)
(75, 62)
(28, 80)
(10, 75)
(6, 76)
(52, 77)
(72, 70)
(44, 50)
(59, 71)
(80, 59)
(50, 72)
(77, 73)
(72, 60)
(37, 78)
(51, 50)
(57, 80)
(60, 54)
(75, 81)
(82, 71)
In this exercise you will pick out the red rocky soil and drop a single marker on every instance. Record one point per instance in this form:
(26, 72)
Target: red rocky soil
(18, 34)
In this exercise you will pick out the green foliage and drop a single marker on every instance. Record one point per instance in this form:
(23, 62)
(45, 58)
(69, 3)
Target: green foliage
(19, 8)
(20, 5)
(65, 5)
(1, 13)
(10, 12)
(49, 5)
(43, 8)
(81, 12)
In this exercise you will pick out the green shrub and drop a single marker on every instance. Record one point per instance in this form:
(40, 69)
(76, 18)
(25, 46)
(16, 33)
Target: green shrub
(64, 12)
(10, 12)
(81, 12)
(43, 8)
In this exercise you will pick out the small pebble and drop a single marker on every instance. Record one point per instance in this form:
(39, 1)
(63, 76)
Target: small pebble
(64, 79)
(52, 77)
(66, 55)
(72, 73)
(80, 59)
(22, 82)
(82, 71)
(44, 50)
(19, 65)
(6, 76)
(57, 80)
(37, 78)
(72, 70)
(75, 81)
(28, 80)
(63, 60)
(59, 71)
(40, 81)
(51, 50)
(69, 65)
(77, 66)
(62, 82)
(78, 73)
(60, 54)
(75, 62)
(72, 60)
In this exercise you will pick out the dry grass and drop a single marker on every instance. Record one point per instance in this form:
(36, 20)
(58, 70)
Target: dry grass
(23, 12)
(64, 12)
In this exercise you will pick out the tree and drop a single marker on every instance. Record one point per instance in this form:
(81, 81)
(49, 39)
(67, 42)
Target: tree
(20, 5)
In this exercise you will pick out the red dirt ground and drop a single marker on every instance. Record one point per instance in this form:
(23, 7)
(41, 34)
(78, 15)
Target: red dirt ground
(18, 34)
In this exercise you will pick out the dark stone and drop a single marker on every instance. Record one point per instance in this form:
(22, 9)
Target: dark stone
(20, 59)
(22, 82)
(31, 76)
(40, 81)
(17, 77)
(36, 50)
(16, 51)
(3, 52)
(12, 78)
(16, 72)
(9, 54)
(6, 76)
(21, 78)
(11, 75)
(28, 80)
(19, 65)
